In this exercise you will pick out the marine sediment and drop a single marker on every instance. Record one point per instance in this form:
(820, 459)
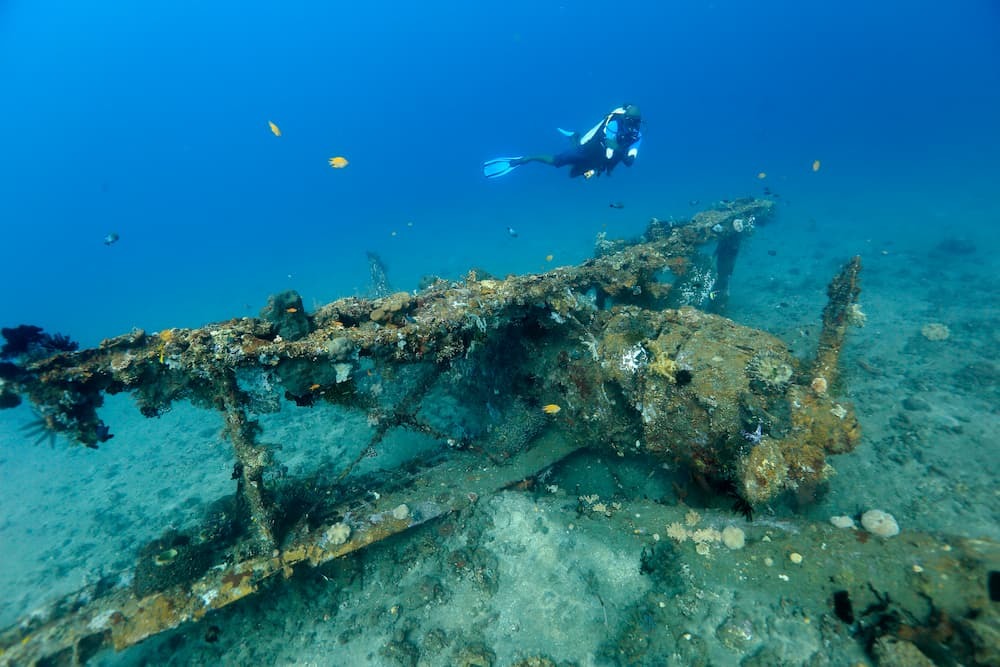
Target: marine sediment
(619, 343)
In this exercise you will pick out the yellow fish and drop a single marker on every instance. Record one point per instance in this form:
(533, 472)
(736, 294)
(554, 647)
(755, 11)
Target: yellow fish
(762, 175)
(589, 174)
(548, 258)
(338, 162)
(275, 130)
(815, 165)
(551, 409)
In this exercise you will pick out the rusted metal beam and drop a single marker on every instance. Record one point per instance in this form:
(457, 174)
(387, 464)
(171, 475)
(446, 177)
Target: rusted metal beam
(121, 619)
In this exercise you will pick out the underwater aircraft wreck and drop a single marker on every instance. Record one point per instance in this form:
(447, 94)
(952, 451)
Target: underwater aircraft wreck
(626, 351)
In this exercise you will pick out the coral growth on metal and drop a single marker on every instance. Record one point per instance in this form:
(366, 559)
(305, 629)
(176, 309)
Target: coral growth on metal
(623, 344)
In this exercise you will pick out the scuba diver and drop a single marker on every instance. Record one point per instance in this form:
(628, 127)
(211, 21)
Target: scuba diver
(615, 139)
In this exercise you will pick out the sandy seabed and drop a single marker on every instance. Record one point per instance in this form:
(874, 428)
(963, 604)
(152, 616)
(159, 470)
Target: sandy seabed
(536, 574)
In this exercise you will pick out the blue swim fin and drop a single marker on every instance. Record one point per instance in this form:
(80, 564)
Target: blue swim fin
(500, 166)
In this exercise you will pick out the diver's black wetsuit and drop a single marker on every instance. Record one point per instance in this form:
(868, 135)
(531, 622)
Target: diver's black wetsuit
(615, 139)
(583, 158)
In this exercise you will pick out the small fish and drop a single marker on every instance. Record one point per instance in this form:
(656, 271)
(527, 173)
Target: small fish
(111, 238)
(762, 175)
(589, 174)
(713, 295)
(617, 204)
(551, 409)
(694, 202)
(275, 130)
(314, 387)
(815, 165)
(291, 309)
(548, 258)
(103, 433)
(512, 232)
(338, 162)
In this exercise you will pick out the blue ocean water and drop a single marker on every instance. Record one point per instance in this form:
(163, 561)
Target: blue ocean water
(150, 120)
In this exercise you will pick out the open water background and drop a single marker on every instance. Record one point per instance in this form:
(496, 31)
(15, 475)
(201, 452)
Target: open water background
(150, 120)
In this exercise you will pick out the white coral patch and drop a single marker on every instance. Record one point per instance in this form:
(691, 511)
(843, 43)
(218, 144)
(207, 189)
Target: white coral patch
(633, 358)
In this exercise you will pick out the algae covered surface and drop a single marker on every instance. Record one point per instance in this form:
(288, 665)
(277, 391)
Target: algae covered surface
(297, 369)
(575, 482)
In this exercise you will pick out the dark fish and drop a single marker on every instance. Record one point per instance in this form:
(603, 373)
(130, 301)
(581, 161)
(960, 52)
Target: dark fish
(103, 432)
(617, 204)
(772, 253)
(512, 232)
(111, 238)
